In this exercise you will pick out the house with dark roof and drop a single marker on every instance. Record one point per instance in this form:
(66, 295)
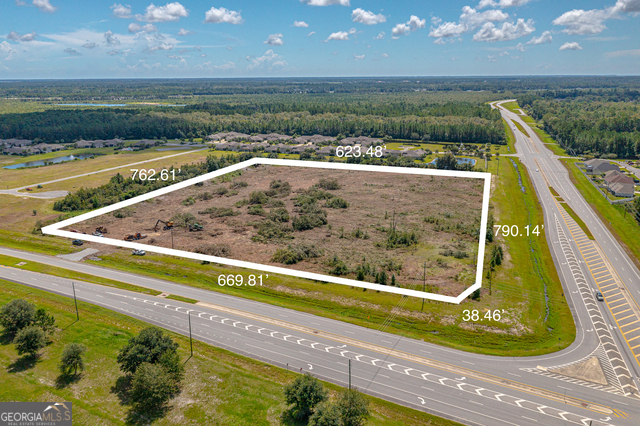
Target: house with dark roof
(327, 150)
(16, 142)
(415, 153)
(620, 189)
(597, 166)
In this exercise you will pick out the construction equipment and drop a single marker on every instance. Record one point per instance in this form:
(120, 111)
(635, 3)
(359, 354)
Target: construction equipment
(101, 229)
(167, 225)
(194, 227)
(135, 237)
(29, 189)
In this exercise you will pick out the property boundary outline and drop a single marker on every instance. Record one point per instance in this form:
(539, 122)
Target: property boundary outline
(55, 229)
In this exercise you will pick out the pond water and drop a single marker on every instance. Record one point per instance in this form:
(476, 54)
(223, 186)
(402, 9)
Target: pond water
(49, 160)
(459, 160)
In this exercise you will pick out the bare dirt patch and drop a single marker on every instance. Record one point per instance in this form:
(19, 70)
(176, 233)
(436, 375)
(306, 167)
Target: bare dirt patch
(375, 227)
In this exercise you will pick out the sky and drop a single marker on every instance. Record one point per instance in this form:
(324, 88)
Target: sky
(78, 39)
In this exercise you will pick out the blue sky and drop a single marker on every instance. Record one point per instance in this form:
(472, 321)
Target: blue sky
(281, 38)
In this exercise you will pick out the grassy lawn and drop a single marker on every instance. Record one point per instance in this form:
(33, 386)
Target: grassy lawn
(519, 126)
(220, 387)
(579, 221)
(181, 298)
(621, 224)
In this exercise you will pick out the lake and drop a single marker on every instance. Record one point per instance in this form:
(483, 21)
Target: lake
(49, 160)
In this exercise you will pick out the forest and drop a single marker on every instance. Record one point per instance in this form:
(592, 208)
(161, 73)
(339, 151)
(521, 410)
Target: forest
(449, 122)
(590, 126)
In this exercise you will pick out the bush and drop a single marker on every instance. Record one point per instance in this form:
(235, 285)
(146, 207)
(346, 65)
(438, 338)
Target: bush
(72, 358)
(258, 197)
(218, 250)
(219, 212)
(280, 188)
(30, 340)
(303, 395)
(122, 213)
(44, 320)
(188, 201)
(326, 414)
(295, 254)
(353, 408)
(238, 184)
(337, 203)
(183, 219)
(401, 239)
(220, 190)
(328, 184)
(257, 210)
(148, 347)
(16, 315)
(279, 214)
(270, 230)
(205, 196)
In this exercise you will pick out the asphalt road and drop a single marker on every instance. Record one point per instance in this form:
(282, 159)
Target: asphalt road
(472, 389)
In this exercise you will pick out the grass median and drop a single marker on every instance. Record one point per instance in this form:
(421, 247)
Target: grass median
(220, 387)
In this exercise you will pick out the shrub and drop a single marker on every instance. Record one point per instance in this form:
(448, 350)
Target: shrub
(337, 203)
(325, 414)
(72, 358)
(206, 195)
(16, 315)
(30, 340)
(219, 212)
(44, 320)
(183, 219)
(258, 197)
(279, 214)
(353, 408)
(257, 210)
(238, 184)
(328, 184)
(188, 201)
(270, 230)
(295, 254)
(280, 188)
(218, 250)
(122, 213)
(401, 239)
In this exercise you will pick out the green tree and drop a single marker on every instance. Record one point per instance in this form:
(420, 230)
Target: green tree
(16, 315)
(326, 414)
(44, 320)
(72, 358)
(353, 407)
(149, 346)
(30, 340)
(447, 162)
(152, 386)
(303, 395)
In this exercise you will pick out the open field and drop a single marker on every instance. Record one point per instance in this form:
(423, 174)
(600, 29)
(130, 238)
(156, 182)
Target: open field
(220, 387)
(333, 222)
(622, 225)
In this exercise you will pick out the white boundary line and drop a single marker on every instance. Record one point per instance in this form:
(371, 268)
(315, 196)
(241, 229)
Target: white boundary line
(55, 229)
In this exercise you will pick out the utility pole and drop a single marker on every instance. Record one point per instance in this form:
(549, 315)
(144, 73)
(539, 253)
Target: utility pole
(349, 373)
(75, 300)
(190, 339)
(424, 281)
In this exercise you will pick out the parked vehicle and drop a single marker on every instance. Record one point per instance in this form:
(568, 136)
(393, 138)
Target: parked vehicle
(78, 242)
(139, 252)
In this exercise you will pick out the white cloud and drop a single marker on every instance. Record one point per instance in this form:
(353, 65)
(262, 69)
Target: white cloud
(367, 17)
(226, 66)
(171, 12)
(439, 41)
(508, 31)
(110, 39)
(581, 22)
(113, 52)
(311, 33)
(135, 28)
(161, 46)
(413, 24)
(340, 35)
(358, 57)
(184, 32)
(72, 52)
(619, 53)
(502, 3)
(380, 36)
(44, 6)
(571, 46)
(6, 48)
(121, 11)
(545, 37)
(470, 19)
(222, 15)
(15, 36)
(300, 24)
(274, 40)
(435, 20)
(326, 2)
(90, 45)
(269, 57)
(143, 66)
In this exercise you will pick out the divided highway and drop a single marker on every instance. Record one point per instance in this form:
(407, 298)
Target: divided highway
(472, 389)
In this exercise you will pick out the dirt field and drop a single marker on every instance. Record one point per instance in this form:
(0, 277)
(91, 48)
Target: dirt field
(361, 225)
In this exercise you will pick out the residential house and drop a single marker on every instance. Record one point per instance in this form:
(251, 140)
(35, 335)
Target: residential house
(16, 142)
(597, 166)
(415, 153)
(619, 184)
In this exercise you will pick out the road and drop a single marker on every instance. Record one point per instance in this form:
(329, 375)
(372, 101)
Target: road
(472, 389)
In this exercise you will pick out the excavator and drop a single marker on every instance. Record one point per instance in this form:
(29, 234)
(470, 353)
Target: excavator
(167, 225)
(135, 237)
(101, 230)
(194, 227)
